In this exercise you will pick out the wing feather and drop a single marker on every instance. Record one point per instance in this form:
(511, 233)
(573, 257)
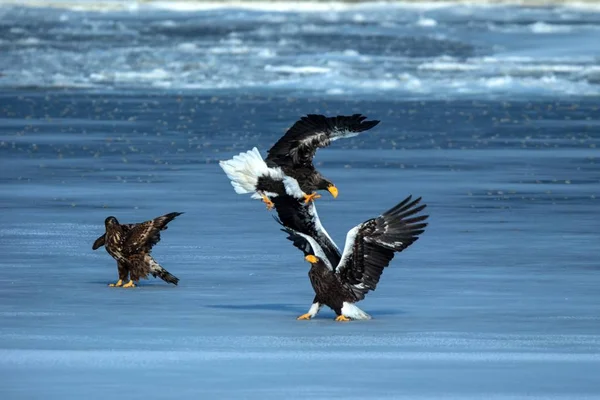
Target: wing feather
(99, 242)
(303, 218)
(299, 144)
(143, 236)
(371, 245)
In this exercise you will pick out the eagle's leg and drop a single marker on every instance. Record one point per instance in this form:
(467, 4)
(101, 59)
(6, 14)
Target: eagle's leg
(311, 197)
(350, 312)
(312, 311)
(123, 273)
(267, 201)
(129, 284)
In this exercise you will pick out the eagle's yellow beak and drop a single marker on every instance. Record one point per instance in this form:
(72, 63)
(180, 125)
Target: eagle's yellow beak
(311, 259)
(333, 190)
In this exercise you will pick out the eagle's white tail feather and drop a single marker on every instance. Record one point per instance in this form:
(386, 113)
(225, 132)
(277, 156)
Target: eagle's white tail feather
(244, 170)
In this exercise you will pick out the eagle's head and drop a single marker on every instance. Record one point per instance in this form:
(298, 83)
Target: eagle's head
(110, 221)
(326, 184)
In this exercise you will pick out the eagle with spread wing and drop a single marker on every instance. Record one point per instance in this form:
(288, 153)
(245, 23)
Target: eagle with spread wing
(284, 194)
(292, 157)
(294, 152)
(341, 281)
(130, 245)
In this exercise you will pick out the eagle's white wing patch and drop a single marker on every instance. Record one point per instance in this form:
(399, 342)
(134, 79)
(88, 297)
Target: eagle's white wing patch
(318, 251)
(348, 247)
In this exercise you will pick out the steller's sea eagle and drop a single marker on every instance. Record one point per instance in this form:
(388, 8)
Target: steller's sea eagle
(294, 152)
(292, 157)
(131, 244)
(296, 210)
(339, 283)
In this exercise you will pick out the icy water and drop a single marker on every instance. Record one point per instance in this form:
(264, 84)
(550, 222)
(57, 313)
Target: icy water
(498, 299)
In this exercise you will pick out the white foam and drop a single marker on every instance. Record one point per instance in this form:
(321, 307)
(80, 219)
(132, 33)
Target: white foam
(30, 41)
(427, 22)
(350, 53)
(290, 69)
(131, 76)
(230, 50)
(335, 92)
(447, 66)
(543, 27)
(188, 47)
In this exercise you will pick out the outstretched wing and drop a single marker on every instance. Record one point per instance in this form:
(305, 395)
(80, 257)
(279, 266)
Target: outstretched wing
(99, 242)
(299, 144)
(371, 245)
(143, 236)
(303, 219)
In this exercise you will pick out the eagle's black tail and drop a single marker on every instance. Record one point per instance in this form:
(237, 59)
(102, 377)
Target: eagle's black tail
(167, 276)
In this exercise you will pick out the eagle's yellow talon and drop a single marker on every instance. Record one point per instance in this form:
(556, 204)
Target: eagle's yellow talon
(268, 202)
(129, 284)
(342, 318)
(305, 316)
(118, 284)
(311, 197)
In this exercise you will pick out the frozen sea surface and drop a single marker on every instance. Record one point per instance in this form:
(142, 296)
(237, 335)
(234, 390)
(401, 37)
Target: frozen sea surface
(491, 113)
(499, 299)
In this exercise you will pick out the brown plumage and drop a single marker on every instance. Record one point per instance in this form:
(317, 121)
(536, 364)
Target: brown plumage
(130, 245)
(370, 246)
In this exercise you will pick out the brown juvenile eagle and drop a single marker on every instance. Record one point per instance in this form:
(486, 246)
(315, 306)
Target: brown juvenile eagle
(131, 244)
(292, 157)
(340, 282)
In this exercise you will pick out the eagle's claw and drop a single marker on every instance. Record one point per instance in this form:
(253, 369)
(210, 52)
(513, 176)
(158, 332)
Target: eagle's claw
(268, 202)
(342, 318)
(311, 197)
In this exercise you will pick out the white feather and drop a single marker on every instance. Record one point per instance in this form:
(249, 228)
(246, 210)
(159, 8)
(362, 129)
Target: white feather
(154, 266)
(317, 250)
(348, 247)
(314, 309)
(244, 170)
(351, 311)
(343, 133)
(312, 210)
(292, 187)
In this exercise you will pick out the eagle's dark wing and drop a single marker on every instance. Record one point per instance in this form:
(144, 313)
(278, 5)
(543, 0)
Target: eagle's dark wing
(99, 242)
(303, 220)
(299, 144)
(143, 236)
(102, 239)
(371, 245)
